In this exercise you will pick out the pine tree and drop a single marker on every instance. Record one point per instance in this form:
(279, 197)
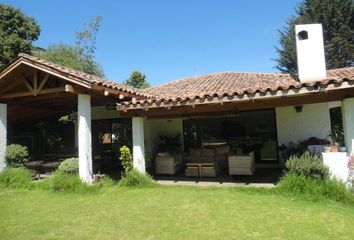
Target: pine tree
(137, 80)
(337, 18)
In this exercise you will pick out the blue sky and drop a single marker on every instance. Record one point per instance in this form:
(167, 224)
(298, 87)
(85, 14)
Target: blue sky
(168, 40)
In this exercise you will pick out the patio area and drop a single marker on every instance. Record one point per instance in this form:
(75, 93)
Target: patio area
(263, 177)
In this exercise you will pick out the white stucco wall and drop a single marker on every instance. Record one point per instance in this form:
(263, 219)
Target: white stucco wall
(138, 144)
(3, 135)
(84, 138)
(313, 121)
(161, 127)
(348, 122)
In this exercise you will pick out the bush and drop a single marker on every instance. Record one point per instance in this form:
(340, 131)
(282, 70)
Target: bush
(16, 155)
(105, 182)
(307, 165)
(70, 165)
(126, 159)
(314, 189)
(65, 182)
(133, 178)
(16, 178)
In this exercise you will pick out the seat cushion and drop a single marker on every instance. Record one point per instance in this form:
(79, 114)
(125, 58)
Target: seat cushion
(163, 154)
(195, 152)
(208, 152)
(222, 150)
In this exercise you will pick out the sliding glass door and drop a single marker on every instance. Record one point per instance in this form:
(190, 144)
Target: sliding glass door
(243, 132)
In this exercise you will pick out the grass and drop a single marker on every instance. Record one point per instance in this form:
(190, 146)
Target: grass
(170, 212)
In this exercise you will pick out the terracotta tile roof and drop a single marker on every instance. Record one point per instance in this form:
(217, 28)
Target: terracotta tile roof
(84, 77)
(237, 83)
(202, 86)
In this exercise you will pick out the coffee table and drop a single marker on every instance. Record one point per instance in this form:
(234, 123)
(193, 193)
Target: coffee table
(196, 169)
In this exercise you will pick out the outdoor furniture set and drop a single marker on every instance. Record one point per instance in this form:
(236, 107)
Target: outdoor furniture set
(206, 162)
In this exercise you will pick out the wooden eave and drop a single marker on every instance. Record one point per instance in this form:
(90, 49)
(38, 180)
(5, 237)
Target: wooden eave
(223, 104)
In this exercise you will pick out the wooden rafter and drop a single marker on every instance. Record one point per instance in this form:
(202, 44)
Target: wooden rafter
(10, 86)
(43, 82)
(67, 88)
(27, 83)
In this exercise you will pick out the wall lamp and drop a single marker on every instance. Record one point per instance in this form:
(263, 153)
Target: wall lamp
(298, 108)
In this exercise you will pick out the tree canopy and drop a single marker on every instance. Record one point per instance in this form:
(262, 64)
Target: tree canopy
(17, 32)
(337, 18)
(79, 56)
(137, 79)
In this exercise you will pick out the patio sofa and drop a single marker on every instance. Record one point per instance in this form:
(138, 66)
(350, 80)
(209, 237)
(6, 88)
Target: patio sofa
(167, 164)
(217, 155)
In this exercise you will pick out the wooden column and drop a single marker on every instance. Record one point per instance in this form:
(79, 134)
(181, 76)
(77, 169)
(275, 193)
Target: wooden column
(84, 135)
(3, 135)
(138, 144)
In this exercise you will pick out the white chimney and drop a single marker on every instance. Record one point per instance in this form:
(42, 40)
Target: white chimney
(311, 64)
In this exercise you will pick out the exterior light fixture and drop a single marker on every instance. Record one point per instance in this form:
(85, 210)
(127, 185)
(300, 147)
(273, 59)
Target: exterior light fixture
(298, 108)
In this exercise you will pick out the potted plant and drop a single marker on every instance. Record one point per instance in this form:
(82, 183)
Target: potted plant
(337, 138)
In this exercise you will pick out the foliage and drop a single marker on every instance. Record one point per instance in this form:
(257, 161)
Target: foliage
(337, 18)
(70, 166)
(16, 155)
(105, 182)
(337, 133)
(308, 165)
(315, 189)
(64, 182)
(126, 159)
(137, 79)
(79, 56)
(17, 32)
(170, 144)
(15, 178)
(133, 178)
(337, 136)
(71, 118)
(301, 147)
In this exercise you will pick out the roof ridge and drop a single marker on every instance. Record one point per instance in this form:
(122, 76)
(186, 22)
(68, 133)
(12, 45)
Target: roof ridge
(216, 73)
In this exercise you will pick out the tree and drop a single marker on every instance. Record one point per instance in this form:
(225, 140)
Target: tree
(17, 32)
(81, 55)
(337, 18)
(137, 79)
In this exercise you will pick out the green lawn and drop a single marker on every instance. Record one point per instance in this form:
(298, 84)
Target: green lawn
(170, 213)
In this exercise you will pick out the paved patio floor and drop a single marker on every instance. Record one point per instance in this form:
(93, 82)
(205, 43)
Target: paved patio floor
(263, 177)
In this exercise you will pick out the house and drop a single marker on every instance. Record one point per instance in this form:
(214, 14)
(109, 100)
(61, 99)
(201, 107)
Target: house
(246, 111)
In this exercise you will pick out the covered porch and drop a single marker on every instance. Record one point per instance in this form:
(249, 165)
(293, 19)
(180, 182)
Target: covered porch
(35, 93)
(254, 122)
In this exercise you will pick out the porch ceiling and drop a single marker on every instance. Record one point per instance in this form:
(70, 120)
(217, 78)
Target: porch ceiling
(33, 92)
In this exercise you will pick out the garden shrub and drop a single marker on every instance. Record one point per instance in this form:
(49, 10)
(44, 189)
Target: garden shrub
(16, 155)
(314, 189)
(16, 178)
(65, 182)
(105, 181)
(126, 159)
(70, 165)
(133, 178)
(308, 165)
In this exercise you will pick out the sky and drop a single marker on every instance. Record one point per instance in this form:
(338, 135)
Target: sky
(168, 39)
